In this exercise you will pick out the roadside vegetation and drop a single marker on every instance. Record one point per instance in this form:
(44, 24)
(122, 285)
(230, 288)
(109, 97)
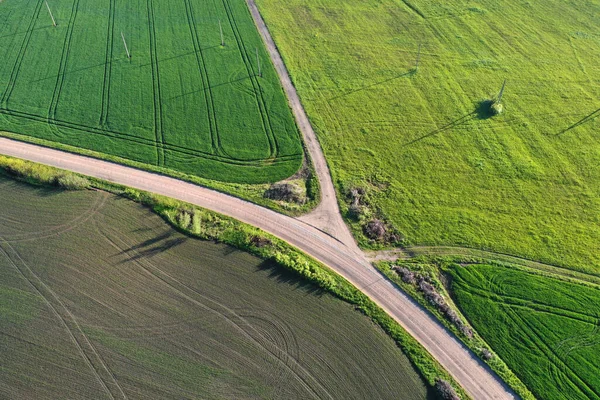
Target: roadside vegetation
(207, 225)
(441, 169)
(424, 279)
(89, 275)
(181, 85)
(545, 328)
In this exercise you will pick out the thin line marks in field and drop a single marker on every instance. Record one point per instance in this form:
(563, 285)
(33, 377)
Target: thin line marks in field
(19, 60)
(360, 89)
(239, 323)
(158, 125)
(108, 65)
(86, 349)
(63, 62)
(204, 76)
(551, 353)
(96, 207)
(258, 94)
(151, 143)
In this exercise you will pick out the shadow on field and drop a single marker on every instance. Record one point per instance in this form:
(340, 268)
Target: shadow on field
(481, 112)
(588, 118)
(371, 85)
(282, 275)
(453, 124)
(152, 247)
(189, 53)
(72, 71)
(210, 87)
(27, 31)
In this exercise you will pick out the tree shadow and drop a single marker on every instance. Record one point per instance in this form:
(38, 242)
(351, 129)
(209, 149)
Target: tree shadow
(588, 118)
(451, 125)
(282, 275)
(484, 109)
(152, 247)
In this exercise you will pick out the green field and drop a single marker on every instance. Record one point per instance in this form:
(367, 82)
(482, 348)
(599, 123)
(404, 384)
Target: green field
(545, 329)
(182, 101)
(99, 295)
(526, 182)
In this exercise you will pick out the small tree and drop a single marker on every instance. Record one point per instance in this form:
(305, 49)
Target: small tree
(445, 390)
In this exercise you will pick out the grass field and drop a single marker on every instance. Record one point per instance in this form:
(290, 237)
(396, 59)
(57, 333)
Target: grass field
(99, 295)
(525, 182)
(182, 101)
(545, 329)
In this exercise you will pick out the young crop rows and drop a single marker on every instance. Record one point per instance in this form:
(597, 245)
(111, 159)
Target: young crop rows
(545, 329)
(198, 93)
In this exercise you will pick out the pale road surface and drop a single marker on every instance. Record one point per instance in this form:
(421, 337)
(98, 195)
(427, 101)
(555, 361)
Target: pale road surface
(466, 368)
(315, 234)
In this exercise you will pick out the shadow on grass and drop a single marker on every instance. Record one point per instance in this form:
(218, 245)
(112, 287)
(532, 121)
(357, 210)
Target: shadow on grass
(588, 118)
(483, 111)
(282, 275)
(409, 73)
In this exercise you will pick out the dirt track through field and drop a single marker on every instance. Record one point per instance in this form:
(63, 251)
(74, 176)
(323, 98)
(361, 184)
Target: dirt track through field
(321, 234)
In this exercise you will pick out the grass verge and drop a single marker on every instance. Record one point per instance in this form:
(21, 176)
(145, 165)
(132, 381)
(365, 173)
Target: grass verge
(251, 192)
(204, 224)
(430, 269)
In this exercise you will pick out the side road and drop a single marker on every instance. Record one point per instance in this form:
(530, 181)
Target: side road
(475, 377)
(326, 216)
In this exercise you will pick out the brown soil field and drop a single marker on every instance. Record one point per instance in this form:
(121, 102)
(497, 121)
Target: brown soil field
(100, 298)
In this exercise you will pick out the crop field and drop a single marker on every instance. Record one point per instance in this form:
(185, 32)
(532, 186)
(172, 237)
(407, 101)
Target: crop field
(100, 298)
(525, 182)
(182, 101)
(546, 330)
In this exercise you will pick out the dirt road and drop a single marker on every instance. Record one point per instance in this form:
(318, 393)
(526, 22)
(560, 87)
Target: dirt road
(468, 370)
(321, 234)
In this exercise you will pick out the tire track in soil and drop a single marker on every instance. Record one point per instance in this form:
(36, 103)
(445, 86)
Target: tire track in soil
(208, 94)
(158, 124)
(96, 207)
(258, 94)
(271, 349)
(86, 349)
(152, 143)
(60, 79)
(19, 61)
(108, 65)
(284, 339)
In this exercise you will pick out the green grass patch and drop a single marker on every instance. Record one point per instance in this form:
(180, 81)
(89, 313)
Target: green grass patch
(524, 182)
(546, 329)
(407, 275)
(182, 101)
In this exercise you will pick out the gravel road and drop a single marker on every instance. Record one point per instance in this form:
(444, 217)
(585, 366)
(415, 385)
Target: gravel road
(321, 234)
